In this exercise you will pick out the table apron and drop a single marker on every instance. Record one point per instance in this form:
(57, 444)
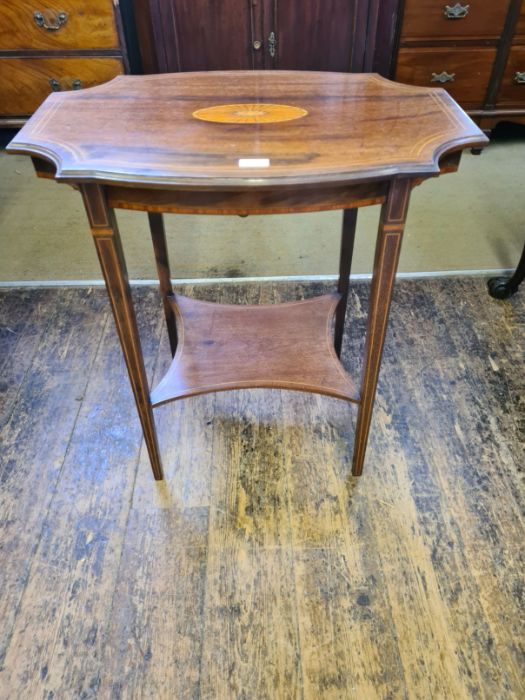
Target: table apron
(245, 202)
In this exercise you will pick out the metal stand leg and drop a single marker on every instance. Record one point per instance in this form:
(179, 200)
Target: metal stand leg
(109, 248)
(158, 236)
(504, 287)
(391, 226)
(345, 265)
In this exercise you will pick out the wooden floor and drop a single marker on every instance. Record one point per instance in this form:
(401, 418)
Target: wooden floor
(260, 568)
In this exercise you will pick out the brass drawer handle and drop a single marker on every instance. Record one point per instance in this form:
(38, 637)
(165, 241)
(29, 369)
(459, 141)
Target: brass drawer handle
(40, 21)
(456, 11)
(56, 87)
(519, 77)
(443, 77)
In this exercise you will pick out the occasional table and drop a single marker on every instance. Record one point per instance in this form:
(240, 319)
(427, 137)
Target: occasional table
(249, 142)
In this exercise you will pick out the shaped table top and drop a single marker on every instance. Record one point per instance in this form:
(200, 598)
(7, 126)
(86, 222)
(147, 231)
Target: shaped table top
(240, 129)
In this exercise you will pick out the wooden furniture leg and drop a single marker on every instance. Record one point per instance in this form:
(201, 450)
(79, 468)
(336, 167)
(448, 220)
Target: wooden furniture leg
(160, 247)
(345, 265)
(391, 226)
(111, 256)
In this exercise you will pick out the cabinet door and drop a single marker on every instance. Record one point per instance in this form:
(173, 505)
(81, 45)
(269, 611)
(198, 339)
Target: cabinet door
(312, 35)
(192, 35)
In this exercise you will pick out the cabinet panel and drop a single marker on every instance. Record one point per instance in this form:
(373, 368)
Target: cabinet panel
(471, 68)
(426, 19)
(328, 35)
(314, 34)
(73, 24)
(202, 35)
(26, 82)
(512, 89)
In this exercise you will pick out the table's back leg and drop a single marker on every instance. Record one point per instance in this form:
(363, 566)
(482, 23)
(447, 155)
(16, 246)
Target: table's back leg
(391, 227)
(109, 249)
(345, 265)
(160, 247)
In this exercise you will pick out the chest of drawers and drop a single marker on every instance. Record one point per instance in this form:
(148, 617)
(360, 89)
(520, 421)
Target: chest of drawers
(475, 49)
(54, 45)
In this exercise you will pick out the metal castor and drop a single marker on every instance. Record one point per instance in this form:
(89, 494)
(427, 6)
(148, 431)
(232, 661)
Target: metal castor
(504, 287)
(499, 287)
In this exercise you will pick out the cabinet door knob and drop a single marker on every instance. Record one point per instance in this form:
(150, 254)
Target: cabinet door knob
(272, 43)
(443, 77)
(519, 77)
(456, 11)
(61, 19)
(257, 44)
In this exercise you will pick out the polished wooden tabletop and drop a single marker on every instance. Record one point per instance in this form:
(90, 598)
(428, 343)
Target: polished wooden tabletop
(246, 129)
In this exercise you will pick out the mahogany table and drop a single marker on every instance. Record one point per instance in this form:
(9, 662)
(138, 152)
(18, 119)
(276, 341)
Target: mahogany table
(249, 142)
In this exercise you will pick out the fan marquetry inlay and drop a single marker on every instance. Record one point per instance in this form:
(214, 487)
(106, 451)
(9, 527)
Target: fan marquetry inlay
(262, 113)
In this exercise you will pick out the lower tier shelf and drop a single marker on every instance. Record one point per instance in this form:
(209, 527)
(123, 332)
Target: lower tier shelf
(224, 346)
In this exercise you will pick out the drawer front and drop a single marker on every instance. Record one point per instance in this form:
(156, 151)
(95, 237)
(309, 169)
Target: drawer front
(57, 24)
(512, 88)
(472, 19)
(26, 82)
(520, 27)
(471, 69)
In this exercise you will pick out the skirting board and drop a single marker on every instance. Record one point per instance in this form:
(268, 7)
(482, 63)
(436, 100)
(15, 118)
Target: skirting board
(230, 280)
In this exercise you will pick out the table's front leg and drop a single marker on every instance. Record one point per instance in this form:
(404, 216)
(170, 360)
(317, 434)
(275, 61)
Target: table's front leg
(111, 256)
(391, 227)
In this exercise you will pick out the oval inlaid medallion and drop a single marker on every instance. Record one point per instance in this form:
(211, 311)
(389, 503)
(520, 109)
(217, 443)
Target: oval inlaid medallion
(261, 113)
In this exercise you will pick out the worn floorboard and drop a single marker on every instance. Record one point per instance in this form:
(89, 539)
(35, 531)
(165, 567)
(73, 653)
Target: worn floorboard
(260, 568)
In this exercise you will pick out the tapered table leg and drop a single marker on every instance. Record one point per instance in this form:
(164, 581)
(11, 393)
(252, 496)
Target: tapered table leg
(391, 226)
(345, 265)
(160, 247)
(109, 249)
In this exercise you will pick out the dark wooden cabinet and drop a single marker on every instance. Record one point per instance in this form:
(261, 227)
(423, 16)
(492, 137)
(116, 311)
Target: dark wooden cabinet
(474, 49)
(190, 35)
